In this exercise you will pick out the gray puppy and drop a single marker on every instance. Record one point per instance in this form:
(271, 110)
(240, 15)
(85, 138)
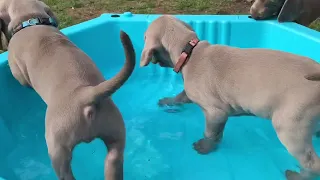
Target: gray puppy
(228, 81)
(79, 106)
(303, 12)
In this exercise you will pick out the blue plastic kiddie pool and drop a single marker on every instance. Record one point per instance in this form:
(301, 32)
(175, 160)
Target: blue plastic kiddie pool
(159, 143)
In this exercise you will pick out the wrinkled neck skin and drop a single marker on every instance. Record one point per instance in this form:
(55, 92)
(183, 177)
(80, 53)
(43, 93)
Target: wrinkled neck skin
(175, 41)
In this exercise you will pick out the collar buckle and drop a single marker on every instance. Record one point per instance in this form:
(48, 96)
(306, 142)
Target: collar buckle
(33, 22)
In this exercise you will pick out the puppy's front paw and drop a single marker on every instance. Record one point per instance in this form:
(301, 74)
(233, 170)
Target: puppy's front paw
(292, 175)
(167, 102)
(204, 146)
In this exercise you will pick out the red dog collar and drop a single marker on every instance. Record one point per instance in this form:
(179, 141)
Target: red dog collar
(185, 54)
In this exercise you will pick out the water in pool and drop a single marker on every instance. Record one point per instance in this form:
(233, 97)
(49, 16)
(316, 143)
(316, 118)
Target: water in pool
(159, 142)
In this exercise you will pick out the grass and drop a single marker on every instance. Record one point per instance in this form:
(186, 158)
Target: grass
(315, 25)
(74, 11)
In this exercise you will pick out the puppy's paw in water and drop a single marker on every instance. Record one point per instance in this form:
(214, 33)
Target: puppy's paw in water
(167, 102)
(292, 175)
(204, 146)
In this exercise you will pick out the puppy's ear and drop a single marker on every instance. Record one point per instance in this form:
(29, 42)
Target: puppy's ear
(290, 10)
(149, 48)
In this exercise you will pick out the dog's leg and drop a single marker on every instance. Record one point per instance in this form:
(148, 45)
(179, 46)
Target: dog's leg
(296, 136)
(180, 99)
(61, 161)
(216, 120)
(114, 161)
(60, 157)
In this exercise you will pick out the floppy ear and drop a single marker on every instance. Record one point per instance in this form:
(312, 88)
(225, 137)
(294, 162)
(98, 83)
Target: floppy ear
(290, 10)
(147, 53)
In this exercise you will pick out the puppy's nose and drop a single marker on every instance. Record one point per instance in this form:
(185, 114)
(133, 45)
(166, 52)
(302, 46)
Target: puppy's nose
(255, 13)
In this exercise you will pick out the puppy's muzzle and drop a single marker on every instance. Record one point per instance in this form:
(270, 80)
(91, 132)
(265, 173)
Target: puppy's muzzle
(255, 14)
(262, 14)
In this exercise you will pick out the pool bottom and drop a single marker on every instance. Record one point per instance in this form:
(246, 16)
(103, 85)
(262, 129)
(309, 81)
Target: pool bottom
(159, 144)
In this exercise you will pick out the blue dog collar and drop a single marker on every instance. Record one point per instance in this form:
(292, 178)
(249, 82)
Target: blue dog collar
(33, 22)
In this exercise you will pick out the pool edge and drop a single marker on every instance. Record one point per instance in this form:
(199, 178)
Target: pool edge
(128, 16)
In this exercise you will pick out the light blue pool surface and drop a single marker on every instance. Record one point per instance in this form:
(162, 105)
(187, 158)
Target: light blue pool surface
(159, 144)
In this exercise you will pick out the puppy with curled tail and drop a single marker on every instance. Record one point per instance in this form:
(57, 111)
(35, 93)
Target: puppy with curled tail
(78, 97)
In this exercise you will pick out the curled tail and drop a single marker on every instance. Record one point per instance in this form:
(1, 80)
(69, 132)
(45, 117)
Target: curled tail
(108, 87)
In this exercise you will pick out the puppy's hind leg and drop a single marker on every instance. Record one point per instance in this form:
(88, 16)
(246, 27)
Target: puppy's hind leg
(61, 160)
(216, 120)
(114, 160)
(296, 135)
(113, 134)
(180, 99)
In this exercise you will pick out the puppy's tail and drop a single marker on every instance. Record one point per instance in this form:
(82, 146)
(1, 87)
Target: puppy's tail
(108, 87)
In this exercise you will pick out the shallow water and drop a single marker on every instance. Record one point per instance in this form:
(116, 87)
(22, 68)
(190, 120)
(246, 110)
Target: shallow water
(159, 143)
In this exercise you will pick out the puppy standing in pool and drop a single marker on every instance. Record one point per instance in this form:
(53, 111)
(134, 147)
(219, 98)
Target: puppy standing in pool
(79, 106)
(227, 81)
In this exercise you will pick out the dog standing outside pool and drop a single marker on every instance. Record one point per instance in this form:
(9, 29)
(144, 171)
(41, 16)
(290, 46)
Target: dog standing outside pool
(303, 12)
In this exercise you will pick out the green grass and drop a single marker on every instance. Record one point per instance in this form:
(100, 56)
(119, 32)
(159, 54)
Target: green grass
(74, 11)
(315, 25)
